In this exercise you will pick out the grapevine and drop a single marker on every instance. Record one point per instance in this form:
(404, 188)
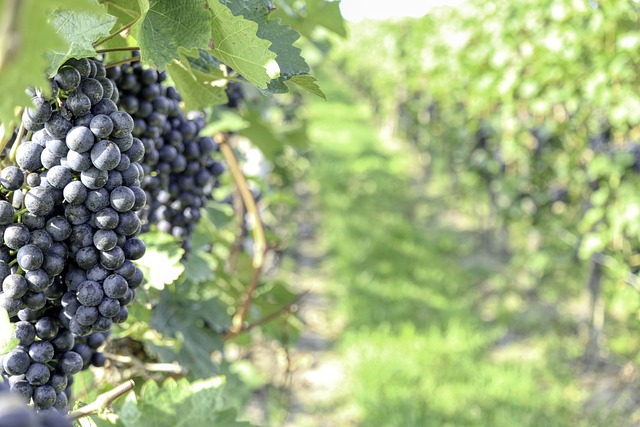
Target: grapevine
(107, 167)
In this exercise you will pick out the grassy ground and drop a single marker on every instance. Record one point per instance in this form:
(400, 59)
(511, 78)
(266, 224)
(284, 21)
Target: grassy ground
(418, 348)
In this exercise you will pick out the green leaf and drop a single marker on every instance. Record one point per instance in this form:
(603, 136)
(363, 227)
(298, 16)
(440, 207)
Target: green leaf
(198, 89)
(79, 29)
(307, 83)
(200, 267)
(172, 24)
(7, 341)
(262, 135)
(22, 51)
(282, 38)
(179, 403)
(197, 324)
(249, 9)
(203, 61)
(236, 44)
(227, 121)
(161, 263)
(126, 11)
(326, 14)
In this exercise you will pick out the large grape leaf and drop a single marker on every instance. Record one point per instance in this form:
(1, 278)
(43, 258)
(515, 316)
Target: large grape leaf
(198, 89)
(170, 25)
(234, 42)
(7, 341)
(176, 403)
(80, 29)
(25, 36)
(282, 38)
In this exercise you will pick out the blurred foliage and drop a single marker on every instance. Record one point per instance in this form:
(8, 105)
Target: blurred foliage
(531, 110)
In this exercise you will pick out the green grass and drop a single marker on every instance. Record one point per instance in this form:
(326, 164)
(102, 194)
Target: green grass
(416, 347)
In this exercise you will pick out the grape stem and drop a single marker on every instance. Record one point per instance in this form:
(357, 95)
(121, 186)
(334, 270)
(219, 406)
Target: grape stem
(102, 402)
(18, 214)
(259, 240)
(170, 368)
(287, 308)
(115, 33)
(238, 209)
(124, 61)
(118, 49)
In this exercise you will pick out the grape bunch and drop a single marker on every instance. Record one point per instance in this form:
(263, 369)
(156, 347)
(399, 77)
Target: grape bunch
(180, 171)
(15, 413)
(70, 231)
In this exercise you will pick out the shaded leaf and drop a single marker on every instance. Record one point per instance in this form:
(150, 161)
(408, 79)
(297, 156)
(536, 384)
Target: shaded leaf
(197, 324)
(198, 89)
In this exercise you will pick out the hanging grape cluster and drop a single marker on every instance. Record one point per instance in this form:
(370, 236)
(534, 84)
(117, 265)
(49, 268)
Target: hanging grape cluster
(180, 171)
(70, 225)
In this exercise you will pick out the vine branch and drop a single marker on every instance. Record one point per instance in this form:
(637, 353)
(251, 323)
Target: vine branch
(119, 49)
(171, 368)
(287, 308)
(259, 239)
(103, 401)
(124, 61)
(238, 208)
(115, 33)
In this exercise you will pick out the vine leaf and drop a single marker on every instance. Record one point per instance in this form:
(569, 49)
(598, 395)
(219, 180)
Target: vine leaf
(282, 38)
(172, 24)
(25, 37)
(195, 322)
(125, 11)
(199, 89)
(79, 29)
(234, 42)
(307, 83)
(7, 341)
(178, 403)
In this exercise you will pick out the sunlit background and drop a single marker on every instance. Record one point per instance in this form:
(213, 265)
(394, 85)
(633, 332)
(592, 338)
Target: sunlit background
(475, 175)
(357, 10)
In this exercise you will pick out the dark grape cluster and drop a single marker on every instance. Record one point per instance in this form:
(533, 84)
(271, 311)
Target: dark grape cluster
(15, 413)
(180, 171)
(70, 232)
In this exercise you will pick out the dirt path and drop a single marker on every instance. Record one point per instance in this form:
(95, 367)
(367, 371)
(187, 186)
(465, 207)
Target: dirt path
(319, 372)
